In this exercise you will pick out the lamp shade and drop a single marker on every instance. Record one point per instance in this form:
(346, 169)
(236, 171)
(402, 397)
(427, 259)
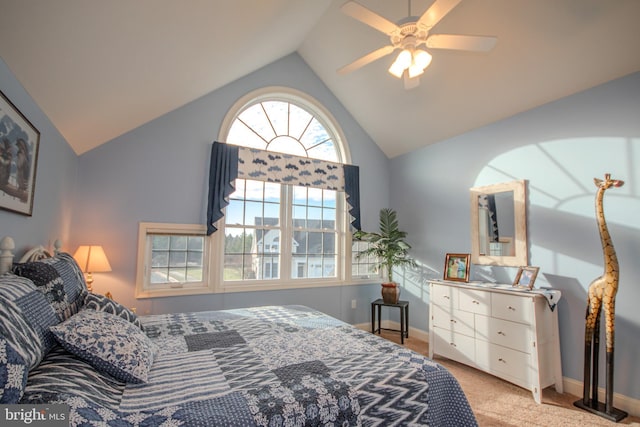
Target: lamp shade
(422, 58)
(92, 259)
(402, 62)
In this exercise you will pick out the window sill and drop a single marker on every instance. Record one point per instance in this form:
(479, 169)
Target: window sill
(161, 293)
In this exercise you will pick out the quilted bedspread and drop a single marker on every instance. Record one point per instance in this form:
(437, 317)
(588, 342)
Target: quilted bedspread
(263, 366)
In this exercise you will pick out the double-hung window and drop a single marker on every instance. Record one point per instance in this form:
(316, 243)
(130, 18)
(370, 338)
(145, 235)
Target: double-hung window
(279, 232)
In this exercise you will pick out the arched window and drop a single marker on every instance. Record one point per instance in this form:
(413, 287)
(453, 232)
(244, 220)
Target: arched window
(277, 235)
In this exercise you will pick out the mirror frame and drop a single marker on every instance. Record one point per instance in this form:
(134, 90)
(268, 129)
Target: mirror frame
(521, 257)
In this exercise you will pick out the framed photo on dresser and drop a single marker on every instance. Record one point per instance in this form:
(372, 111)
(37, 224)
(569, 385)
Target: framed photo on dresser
(456, 267)
(526, 277)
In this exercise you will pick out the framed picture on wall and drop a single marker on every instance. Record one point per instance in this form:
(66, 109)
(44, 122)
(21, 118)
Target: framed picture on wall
(526, 277)
(19, 143)
(456, 267)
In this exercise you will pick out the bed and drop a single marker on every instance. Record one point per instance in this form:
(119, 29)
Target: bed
(256, 366)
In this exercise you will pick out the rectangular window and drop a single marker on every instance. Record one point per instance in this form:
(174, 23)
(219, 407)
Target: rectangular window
(172, 260)
(252, 231)
(176, 258)
(365, 267)
(314, 233)
(280, 234)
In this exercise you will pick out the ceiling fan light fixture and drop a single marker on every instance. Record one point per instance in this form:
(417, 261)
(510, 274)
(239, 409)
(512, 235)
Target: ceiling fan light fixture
(402, 62)
(396, 70)
(415, 70)
(422, 58)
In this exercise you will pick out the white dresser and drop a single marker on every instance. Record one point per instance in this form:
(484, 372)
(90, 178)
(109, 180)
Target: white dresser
(509, 333)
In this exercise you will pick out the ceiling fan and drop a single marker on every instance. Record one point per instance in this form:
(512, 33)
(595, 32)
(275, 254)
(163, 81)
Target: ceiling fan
(410, 35)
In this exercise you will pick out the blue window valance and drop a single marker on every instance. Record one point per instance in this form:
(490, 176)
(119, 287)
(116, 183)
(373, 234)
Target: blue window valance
(229, 162)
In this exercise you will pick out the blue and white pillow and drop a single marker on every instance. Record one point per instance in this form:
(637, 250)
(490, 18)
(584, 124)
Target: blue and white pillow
(13, 373)
(48, 281)
(60, 279)
(102, 303)
(25, 318)
(109, 343)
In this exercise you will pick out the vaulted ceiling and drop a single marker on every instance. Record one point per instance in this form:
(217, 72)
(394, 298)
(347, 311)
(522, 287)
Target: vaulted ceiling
(101, 68)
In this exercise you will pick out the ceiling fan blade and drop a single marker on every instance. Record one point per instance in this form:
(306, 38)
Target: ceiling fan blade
(460, 42)
(370, 57)
(436, 12)
(362, 14)
(410, 83)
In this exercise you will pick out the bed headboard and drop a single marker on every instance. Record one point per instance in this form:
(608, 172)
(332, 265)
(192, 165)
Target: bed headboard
(7, 246)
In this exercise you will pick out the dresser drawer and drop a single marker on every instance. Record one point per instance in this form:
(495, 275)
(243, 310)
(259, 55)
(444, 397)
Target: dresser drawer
(474, 301)
(511, 364)
(444, 296)
(456, 321)
(458, 347)
(512, 307)
(505, 333)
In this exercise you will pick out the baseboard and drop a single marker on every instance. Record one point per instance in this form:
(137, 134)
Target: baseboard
(571, 386)
(620, 401)
(388, 324)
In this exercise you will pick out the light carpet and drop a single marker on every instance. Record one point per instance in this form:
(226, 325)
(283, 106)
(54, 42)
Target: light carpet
(497, 403)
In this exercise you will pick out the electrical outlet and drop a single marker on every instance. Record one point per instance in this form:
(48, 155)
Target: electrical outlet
(353, 303)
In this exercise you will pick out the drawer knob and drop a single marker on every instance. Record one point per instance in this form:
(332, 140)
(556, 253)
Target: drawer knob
(475, 302)
(502, 333)
(453, 344)
(511, 308)
(502, 360)
(446, 297)
(453, 321)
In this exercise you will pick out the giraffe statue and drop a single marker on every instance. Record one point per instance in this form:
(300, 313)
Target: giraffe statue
(602, 295)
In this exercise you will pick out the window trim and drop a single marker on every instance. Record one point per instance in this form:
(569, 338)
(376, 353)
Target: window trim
(143, 288)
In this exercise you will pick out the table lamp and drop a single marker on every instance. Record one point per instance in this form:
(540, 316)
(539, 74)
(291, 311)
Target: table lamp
(91, 259)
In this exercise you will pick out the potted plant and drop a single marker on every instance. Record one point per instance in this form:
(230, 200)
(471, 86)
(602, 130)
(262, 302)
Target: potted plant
(389, 249)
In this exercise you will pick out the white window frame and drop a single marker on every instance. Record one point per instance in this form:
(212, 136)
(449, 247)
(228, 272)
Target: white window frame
(144, 289)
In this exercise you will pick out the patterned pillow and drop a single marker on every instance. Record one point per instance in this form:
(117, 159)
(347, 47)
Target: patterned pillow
(102, 303)
(25, 318)
(109, 343)
(60, 279)
(13, 373)
(48, 281)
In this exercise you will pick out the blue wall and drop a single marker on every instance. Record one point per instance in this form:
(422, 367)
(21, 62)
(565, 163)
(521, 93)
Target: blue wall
(157, 173)
(558, 148)
(55, 177)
